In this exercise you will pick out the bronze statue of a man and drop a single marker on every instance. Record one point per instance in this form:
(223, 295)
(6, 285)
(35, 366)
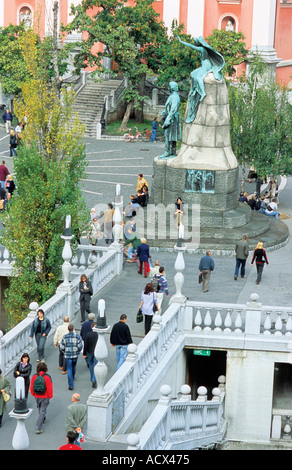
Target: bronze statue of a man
(172, 122)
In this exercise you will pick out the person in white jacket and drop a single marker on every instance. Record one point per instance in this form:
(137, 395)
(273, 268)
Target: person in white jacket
(59, 333)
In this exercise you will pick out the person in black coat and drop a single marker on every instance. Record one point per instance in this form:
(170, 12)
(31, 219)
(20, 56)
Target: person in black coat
(120, 338)
(144, 255)
(23, 369)
(12, 143)
(260, 257)
(88, 352)
(85, 289)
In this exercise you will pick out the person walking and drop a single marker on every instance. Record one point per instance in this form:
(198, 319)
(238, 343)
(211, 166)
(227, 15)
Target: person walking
(71, 345)
(3, 173)
(148, 305)
(23, 369)
(76, 417)
(41, 387)
(205, 267)
(241, 254)
(260, 257)
(12, 143)
(88, 352)
(108, 224)
(86, 328)
(5, 387)
(154, 129)
(94, 232)
(179, 211)
(85, 289)
(144, 255)
(61, 331)
(7, 119)
(40, 328)
(10, 186)
(71, 438)
(159, 284)
(120, 338)
(155, 269)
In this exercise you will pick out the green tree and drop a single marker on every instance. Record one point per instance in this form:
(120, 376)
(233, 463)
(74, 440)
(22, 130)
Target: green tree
(261, 122)
(131, 35)
(231, 46)
(175, 60)
(12, 67)
(48, 168)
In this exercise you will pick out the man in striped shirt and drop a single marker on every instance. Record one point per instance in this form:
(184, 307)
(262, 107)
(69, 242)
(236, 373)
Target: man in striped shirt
(71, 345)
(160, 286)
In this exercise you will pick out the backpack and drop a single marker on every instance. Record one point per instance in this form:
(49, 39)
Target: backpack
(39, 385)
(155, 283)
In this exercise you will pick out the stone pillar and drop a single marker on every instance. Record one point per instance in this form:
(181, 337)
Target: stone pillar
(263, 32)
(20, 440)
(253, 315)
(179, 267)
(195, 24)
(100, 401)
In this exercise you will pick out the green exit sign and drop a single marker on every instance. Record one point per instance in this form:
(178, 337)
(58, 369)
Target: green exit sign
(201, 352)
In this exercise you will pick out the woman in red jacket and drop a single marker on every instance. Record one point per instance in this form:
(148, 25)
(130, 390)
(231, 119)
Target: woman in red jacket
(43, 392)
(260, 257)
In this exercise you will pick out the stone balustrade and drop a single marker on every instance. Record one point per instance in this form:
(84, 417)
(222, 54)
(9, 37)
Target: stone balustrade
(127, 388)
(182, 423)
(238, 325)
(64, 302)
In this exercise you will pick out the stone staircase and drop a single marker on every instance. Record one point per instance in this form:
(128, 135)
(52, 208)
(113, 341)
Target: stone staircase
(90, 101)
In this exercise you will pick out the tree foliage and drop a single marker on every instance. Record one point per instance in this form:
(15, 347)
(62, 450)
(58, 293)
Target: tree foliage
(131, 36)
(48, 168)
(13, 69)
(231, 46)
(175, 60)
(261, 122)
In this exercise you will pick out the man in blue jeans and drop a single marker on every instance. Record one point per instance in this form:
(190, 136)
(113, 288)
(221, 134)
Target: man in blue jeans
(120, 338)
(241, 253)
(71, 345)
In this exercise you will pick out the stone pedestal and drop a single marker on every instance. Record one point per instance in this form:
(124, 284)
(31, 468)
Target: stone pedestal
(205, 175)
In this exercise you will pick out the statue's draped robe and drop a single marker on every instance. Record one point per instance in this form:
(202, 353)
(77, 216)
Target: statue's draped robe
(211, 61)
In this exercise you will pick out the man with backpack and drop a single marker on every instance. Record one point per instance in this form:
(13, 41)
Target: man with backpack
(159, 284)
(41, 387)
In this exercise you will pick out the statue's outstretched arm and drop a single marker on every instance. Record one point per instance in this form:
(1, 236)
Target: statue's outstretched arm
(189, 45)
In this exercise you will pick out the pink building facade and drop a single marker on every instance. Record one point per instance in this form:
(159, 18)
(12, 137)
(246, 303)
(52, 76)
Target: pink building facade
(266, 24)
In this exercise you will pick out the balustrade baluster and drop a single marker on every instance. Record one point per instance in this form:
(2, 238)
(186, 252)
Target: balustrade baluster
(278, 325)
(198, 321)
(289, 325)
(227, 322)
(287, 429)
(238, 322)
(218, 321)
(207, 321)
(6, 256)
(267, 324)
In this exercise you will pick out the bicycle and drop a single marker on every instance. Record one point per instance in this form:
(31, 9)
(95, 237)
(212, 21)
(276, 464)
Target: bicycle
(146, 137)
(129, 137)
